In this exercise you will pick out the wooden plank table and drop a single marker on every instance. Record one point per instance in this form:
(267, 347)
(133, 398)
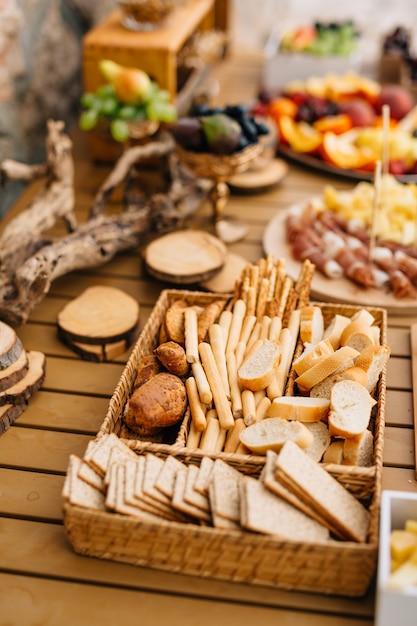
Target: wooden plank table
(42, 580)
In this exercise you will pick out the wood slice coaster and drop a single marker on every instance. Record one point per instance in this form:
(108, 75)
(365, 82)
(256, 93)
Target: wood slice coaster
(10, 346)
(224, 280)
(26, 387)
(8, 414)
(185, 256)
(102, 352)
(15, 372)
(258, 180)
(101, 315)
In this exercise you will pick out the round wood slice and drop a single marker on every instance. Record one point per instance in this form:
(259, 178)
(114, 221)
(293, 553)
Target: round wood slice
(8, 414)
(20, 392)
(15, 372)
(100, 315)
(259, 179)
(224, 280)
(185, 256)
(10, 346)
(100, 352)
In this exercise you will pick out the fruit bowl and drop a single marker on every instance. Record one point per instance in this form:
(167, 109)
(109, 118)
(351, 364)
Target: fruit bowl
(219, 167)
(144, 14)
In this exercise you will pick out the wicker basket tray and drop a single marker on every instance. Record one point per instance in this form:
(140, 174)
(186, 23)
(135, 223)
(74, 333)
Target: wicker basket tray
(343, 568)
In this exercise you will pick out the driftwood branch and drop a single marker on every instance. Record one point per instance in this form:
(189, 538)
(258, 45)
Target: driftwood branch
(30, 262)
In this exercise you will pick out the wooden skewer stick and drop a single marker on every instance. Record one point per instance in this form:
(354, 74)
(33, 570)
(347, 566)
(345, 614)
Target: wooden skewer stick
(385, 138)
(375, 206)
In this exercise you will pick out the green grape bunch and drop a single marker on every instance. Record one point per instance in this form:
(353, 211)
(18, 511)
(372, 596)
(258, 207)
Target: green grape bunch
(106, 103)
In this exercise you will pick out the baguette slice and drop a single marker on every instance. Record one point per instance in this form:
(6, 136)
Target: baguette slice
(310, 354)
(324, 388)
(273, 433)
(334, 330)
(321, 440)
(334, 453)
(301, 408)
(358, 335)
(359, 451)
(342, 358)
(257, 371)
(311, 324)
(350, 409)
(373, 360)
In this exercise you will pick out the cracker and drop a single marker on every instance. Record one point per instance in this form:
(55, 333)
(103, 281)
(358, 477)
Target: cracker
(111, 481)
(315, 486)
(203, 477)
(179, 503)
(98, 453)
(224, 491)
(90, 476)
(270, 481)
(166, 478)
(191, 496)
(81, 493)
(267, 513)
(121, 505)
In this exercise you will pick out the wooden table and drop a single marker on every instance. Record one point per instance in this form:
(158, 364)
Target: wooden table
(42, 581)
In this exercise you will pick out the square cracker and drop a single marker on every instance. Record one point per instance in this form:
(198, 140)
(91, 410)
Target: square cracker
(90, 476)
(265, 512)
(316, 487)
(81, 493)
(98, 453)
(203, 477)
(166, 478)
(191, 496)
(121, 505)
(180, 504)
(224, 491)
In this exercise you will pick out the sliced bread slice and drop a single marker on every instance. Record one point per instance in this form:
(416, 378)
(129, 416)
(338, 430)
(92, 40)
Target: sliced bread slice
(334, 330)
(310, 354)
(373, 359)
(358, 335)
(359, 451)
(311, 324)
(321, 440)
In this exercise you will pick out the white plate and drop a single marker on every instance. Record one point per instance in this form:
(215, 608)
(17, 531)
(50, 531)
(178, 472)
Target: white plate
(328, 289)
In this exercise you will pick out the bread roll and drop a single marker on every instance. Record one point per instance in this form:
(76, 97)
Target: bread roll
(301, 408)
(272, 433)
(350, 409)
(157, 404)
(257, 371)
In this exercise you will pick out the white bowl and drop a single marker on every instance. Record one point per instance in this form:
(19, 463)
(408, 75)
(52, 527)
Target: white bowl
(394, 607)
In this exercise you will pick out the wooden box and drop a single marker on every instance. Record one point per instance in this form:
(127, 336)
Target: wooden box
(155, 52)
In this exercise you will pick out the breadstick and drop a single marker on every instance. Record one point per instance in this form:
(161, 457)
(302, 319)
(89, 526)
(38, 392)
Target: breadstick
(303, 284)
(265, 324)
(258, 395)
(225, 320)
(249, 407)
(254, 336)
(285, 294)
(210, 436)
(262, 297)
(247, 327)
(272, 282)
(191, 335)
(235, 390)
(254, 276)
(294, 328)
(262, 408)
(279, 281)
(216, 339)
(238, 314)
(270, 264)
(276, 388)
(232, 438)
(198, 415)
(193, 438)
(221, 402)
(204, 390)
(251, 301)
(240, 353)
(275, 328)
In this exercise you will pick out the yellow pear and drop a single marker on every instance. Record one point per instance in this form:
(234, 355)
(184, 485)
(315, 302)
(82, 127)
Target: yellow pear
(132, 85)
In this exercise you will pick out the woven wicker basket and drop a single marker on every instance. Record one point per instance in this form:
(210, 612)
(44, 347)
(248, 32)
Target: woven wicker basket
(343, 568)
(220, 166)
